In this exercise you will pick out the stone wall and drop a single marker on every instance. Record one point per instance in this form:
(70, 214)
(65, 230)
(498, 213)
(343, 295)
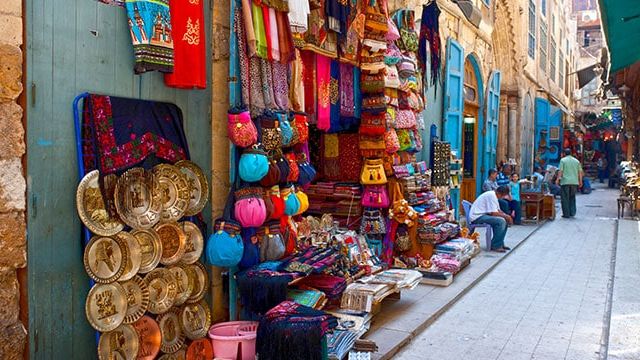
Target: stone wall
(12, 181)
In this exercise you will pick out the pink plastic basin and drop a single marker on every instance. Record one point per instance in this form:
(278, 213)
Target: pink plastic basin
(234, 340)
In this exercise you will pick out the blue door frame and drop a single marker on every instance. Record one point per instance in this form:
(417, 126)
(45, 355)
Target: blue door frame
(490, 127)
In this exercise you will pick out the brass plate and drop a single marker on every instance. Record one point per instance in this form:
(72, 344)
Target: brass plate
(162, 290)
(137, 294)
(106, 306)
(105, 258)
(171, 331)
(199, 186)
(194, 244)
(134, 260)
(91, 208)
(200, 349)
(149, 338)
(178, 355)
(184, 285)
(173, 242)
(196, 319)
(150, 247)
(138, 198)
(175, 191)
(121, 343)
(200, 278)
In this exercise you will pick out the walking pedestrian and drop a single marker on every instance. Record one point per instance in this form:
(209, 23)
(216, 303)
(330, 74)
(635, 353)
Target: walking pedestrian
(486, 210)
(569, 178)
(602, 168)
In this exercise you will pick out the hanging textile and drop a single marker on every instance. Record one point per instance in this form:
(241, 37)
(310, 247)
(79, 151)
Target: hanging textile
(323, 77)
(119, 133)
(296, 90)
(259, 29)
(187, 22)
(150, 29)
(430, 36)
(250, 35)
(334, 97)
(298, 15)
(285, 39)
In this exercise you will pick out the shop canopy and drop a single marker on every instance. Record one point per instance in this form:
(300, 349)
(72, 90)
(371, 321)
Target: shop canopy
(621, 26)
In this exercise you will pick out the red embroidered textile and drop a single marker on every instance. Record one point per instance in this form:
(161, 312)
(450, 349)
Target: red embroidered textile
(189, 45)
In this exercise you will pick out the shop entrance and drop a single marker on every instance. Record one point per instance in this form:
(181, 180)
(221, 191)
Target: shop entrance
(469, 153)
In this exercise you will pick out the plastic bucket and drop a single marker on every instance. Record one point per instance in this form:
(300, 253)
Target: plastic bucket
(234, 340)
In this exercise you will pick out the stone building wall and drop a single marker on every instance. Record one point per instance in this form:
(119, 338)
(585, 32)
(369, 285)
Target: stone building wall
(12, 181)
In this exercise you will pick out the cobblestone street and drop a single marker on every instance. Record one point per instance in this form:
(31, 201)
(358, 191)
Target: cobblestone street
(551, 298)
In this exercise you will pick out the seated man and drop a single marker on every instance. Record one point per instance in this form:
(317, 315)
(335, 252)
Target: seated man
(490, 184)
(486, 210)
(511, 203)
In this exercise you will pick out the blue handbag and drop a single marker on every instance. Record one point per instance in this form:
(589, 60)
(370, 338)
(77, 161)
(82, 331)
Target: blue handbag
(225, 247)
(253, 164)
(286, 132)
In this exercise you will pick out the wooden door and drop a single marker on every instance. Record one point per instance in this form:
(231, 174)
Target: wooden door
(470, 122)
(490, 137)
(75, 46)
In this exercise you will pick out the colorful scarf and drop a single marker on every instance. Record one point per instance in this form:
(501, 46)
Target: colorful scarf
(287, 50)
(296, 90)
(273, 35)
(280, 85)
(430, 33)
(334, 97)
(323, 77)
(243, 57)
(346, 96)
(190, 67)
(260, 31)
(150, 29)
(247, 18)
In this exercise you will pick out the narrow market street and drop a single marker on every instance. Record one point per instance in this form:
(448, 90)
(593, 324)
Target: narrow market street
(551, 298)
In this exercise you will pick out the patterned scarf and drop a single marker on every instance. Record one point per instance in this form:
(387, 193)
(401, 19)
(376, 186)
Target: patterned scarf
(430, 33)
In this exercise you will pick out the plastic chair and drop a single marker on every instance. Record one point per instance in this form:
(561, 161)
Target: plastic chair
(472, 227)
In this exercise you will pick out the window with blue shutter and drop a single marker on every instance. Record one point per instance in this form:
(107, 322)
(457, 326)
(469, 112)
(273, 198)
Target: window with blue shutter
(532, 29)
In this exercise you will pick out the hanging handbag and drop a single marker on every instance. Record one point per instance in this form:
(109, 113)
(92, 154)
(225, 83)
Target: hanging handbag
(400, 210)
(291, 201)
(240, 128)
(408, 37)
(299, 121)
(374, 102)
(253, 164)
(405, 119)
(391, 141)
(272, 246)
(273, 175)
(276, 200)
(391, 116)
(375, 21)
(270, 133)
(286, 131)
(250, 209)
(294, 171)
(375, 196)
(282, 164)
(373, 124)
(373, 173)
(402, 239)
(225, 246)
(303, 199)
(307, 171)
(373, 223)
(404, 139)
(417, 137)
(391, 77)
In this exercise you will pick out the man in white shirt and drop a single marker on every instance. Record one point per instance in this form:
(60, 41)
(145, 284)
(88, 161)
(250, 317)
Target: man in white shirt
(486, 210)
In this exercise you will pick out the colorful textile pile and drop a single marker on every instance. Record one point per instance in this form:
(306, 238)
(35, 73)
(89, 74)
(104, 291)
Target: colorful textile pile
(291, 331)
(262, 289)
(332, 286)
(460, 248)
(307, 297)
(445, 262)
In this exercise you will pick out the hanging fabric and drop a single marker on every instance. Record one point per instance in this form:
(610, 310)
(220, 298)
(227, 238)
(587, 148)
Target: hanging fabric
(187, 22)
(430, 36)
(150, 29)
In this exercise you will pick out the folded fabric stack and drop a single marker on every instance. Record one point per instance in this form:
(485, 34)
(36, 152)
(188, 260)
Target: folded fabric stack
(430, 205)
(397, 278)
(307, 297)
(331, 286)
(361, 297)
(445, 262)
(312, 260)
(438, 234)
(461, 248)
(293, 332)
(339, 343)
(342, 200)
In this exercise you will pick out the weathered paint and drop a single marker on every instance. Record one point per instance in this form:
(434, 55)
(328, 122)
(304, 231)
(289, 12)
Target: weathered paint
(490, 137)
(75, 46)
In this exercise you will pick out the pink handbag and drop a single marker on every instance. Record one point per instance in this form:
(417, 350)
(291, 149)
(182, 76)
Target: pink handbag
(375, 196)
(405, 119)
(240, 129)
(391, 141)
(250, 209)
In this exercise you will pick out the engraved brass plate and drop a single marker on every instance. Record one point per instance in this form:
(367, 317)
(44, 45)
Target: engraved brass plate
(121, 343)
(105, 258)
(173, 241)
(171, 331)
(175, 191)
(200, 349)
(194, 244)
(199, 186)
(91, 208)
(134, 259)
(162, 290)
(138, 198)
(106, 306)
(195, 320)
(137, 294)
(184, 285)
(200, 278)
(149, 338)
(150, 248)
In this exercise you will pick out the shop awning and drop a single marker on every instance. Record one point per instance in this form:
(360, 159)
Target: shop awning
(621, 26)
(586, 75)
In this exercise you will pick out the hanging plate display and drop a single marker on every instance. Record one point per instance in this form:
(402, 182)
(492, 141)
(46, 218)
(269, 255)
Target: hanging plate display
(200, 349)
(184, 285)
(198, 274)
(178, 355)
(196, 319)
(138, 198)
(194, 244)
(106, 306)
(137, 294)
(150, 249)
(134, 259)
(171, 331)
(149, 338)
(173, 241)
(91, 207)
(105, 258)
(199, 186)
(121, 343)
(162, 290)
(175, 191)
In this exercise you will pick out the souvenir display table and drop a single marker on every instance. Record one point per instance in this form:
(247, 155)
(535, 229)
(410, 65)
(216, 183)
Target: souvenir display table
(533, 204)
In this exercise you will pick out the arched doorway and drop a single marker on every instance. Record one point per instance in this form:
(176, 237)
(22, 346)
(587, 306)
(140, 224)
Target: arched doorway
(471, 128)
